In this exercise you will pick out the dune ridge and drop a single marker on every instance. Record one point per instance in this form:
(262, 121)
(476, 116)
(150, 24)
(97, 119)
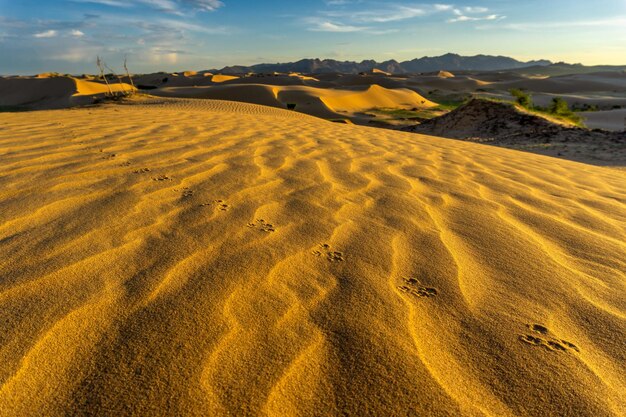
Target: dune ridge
(203, 257)
(326, 103)
(47, 92)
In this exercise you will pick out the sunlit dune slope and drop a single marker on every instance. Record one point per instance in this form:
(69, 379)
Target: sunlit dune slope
(53, 92)
(223, 78)
(207, 258)
(319, 102)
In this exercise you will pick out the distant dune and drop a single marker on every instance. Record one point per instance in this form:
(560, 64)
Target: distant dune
(45, 91)
(328, 103)
(210, 258)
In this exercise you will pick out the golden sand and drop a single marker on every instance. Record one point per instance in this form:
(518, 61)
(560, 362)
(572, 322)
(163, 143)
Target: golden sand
(320, 102)
(211, 258)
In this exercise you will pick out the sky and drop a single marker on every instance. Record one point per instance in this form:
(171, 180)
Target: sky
(175, 35)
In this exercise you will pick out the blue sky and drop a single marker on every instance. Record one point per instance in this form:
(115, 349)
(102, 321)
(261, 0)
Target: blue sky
(171, 35)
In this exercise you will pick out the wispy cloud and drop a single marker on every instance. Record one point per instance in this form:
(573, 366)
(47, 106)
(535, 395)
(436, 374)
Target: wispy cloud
(464, 18)
(618, 22)
(179, 7)
(317, 25)
(46, 34)
(392, 14)
(473, 14)
(389, 13)
(345, 16)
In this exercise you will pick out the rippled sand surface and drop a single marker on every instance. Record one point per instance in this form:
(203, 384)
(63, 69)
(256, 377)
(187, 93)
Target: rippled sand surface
(212, 258)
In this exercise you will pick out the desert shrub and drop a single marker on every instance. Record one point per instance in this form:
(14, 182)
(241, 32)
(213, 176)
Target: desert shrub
(559, 107)
(584, 107)
(522, 98)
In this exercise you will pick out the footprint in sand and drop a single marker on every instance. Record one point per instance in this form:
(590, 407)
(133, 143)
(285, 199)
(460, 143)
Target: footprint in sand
(326, 250)
(186, 192)
(263, 226)
(109, 156)
(413, 287)
(547, 342)
(162, 178)
(220, 204)
(126, 164)
(141, 171)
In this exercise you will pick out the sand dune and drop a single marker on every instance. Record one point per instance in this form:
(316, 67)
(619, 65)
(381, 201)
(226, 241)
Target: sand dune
(514, 127)
(219, 78)
(327, 103)
(218, 258)
(614, 120)
(53, 92)
(380, 72)
(457, 83)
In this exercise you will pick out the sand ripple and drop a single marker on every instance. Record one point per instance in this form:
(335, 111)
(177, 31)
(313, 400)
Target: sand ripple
(191, 257)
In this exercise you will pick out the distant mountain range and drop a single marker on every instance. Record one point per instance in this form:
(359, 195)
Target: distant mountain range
(447, 62)
(561, 68)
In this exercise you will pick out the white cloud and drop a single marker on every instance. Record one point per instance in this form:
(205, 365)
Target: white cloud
(475, 10)
(167, 6)
(392, 15)
(463, 18)
(618, 22)
(326, 26)
(206, 5)
(77, 33)
(462, 15)
(47, 34)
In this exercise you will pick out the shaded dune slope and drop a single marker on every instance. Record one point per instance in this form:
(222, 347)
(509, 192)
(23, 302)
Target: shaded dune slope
(215, 258)
(52, 92)
(505, 124)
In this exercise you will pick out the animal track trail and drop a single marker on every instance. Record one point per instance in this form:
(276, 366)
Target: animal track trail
(413, 287)
(185, 191)
(263, 226)
(548, 341)
(141, 171)
(326, 250)
(219, 204)
(162, 178)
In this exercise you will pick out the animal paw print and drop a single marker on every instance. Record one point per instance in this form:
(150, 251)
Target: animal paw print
(109, 156)
(162, 178)
(331, 255)
(412, 286)
(547, 342)
(262, 225)
(141, 171)
(221, 206)
(126, 164)
(185, 191)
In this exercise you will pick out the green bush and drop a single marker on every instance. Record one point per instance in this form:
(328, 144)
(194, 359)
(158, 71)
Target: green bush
(559, 107)
(522, 98)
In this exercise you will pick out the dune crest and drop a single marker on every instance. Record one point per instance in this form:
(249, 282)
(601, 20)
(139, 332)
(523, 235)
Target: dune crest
(201, 257)
(219, 78)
